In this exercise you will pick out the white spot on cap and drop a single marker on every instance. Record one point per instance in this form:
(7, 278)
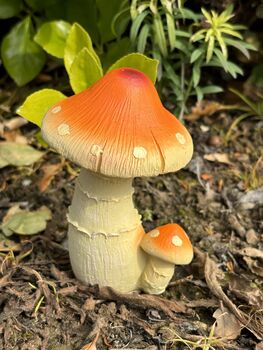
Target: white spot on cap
(63, 129)
(177, 241)
(154, 233)
(56, 110)
(180, 138)
(139, 152)
(96, 150)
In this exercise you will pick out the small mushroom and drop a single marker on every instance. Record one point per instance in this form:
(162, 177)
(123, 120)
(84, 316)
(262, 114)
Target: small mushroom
(167, 246)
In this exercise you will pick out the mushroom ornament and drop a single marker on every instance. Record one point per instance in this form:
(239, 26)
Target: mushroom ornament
(167, 246)
(115, 130)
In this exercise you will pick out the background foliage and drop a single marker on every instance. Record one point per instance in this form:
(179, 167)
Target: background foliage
(194, 45)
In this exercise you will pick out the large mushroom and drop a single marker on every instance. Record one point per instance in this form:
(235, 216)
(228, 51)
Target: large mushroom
(167, 246)
(115, 130)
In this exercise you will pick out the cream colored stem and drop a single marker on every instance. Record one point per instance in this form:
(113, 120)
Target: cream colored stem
(105, 232)
(156, 276)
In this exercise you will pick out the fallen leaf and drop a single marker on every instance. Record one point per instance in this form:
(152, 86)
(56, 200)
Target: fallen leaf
(15, 137)
(204, 108)
(25, 222)
(15, 123)
(12, 153)
(252, 237)
(251, 323)
(245, 290)
(92, 345)
(50, 170)
(254, 266)
(252, 198)
(218, 157)
(252, 252)
(227, 325)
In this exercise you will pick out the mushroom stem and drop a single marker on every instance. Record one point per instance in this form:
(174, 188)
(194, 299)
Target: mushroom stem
(156, 275)
(105, 232)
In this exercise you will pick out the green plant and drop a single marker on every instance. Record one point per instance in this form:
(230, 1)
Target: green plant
(250, 109)
(166, 29)
(82, 64)
(30, 28)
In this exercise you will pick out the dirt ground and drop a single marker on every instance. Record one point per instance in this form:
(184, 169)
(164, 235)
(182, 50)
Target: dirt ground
(214, 303)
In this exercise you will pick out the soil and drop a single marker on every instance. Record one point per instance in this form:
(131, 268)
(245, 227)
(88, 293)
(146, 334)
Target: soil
(216, 302)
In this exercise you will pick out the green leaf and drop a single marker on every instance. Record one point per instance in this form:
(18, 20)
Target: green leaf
(188, 14)
(22, 57)
(199, 93)
(222, 44)
(171, 75)
(17, 154)
(207, 15)
(171, 30)
(142, 38)
(84, 71)
(120, 22)
(159, 34)
(231, 32)
(182, 47)
(211, 89)
(106, 12)
(240, 45)
(26, 223)
(198, 35)
(136, 24)
(196, 73)
(196, 54)
(210, 48)
(221, 59)
(9, 8)
(233, 69)
(36, 105)
(52, 37)
(77, 39)
(115, 50)
(138, 61)
(182, 33)
(83, 12)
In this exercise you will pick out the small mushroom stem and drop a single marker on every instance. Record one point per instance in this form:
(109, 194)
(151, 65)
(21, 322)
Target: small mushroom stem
(105, 232)
(156, 275)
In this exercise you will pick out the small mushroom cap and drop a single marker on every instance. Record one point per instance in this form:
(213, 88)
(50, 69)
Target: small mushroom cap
(119, 127)
(169, 243)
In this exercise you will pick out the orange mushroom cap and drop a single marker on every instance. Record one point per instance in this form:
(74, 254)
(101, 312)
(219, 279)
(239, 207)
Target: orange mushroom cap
(119, 127)
(169, 243)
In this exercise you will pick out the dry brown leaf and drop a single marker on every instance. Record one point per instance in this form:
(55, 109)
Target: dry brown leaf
(89, 304)
(218, 157)
(15, 123)
(252, 252)
(15, 136)
(211, 279)
(50, 170)
(244, 290)
(254, 266)
(204, 108)
(92, 345)
(227, 325)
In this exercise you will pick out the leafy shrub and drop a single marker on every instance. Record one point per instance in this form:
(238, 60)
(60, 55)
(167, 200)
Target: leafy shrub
(34, 28)
(167, 29)
(82, 63)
